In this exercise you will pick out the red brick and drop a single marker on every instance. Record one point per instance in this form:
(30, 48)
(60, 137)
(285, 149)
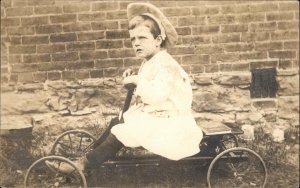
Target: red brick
(209, 49)
(78, 46)
(15, 59)
(47, 10)
(280, 16)
(75, 8)
(63, 18)
(47, 29)
(109, 63)
(90, 36)
(247, 18)
(226, 38)
(67, 37)
(205, 30)
(54, 75)
(194, 40)
(82, 74)
(234, 9)
(25, 77)
(20, 30)
(191, 20)
(285, 64)
(129, 62)
(116, 15)
(161, 4)
(285, 35)
(253, 55)
(10, 22)
(97, 73)
(41, 2)
(121, 34)
(266, 46)
(53, 48)
(282, 54)
(105, 25)
(92, 16)
(196, 59)
(265, 7)
(111, 72)
(69, 56)
(35, 40)
(291, 45)
(36, 58)
(77, 27)
(205, 11)
(211, 68)
(103, 6)
(267, 26)
(229, 57)
(21, 67)
(109, 44)
(183, 30)
(289, 5)
(68, 75)
(288, 25)
(34, 20)
(258, 36)
(20, 11)
(263, 64)
(169, 12)
(24, 49)
(225, 67)
(238, 47)
(79, 65)
(39, 76)
(195, 69)
(127, 43)
(50, 66)
(221, 19)
(181, 50)
(241, 67)
(87, 55)
(19, 3)
(234, 28)
(121, 53)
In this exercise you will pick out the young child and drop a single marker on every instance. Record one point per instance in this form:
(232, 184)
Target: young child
(162, 121)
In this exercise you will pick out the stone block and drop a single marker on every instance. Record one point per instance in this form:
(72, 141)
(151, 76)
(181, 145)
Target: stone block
(7, 22)
(282, 54)
(68, 56)
(205, 30)
(47, 10)
(253, 55)
(285, 25)
(75, 8)
(109, 63)
(263, 64)
(25, 77)
(104, 6)
(53, 48)
(28, 30)
(211, 68)
(232, 79)
(218, 20)
(104, 25)
(54, 75)
(238, 47)
(116, 15)
(248, 18)
(279, 16)
(77, 27)
(92, 16)
(82, 74)
(203, 80)
(81, 46)
(225, 57)
(66, 37)
(24, 49)
(41, 2)
(40, 77)
(36, 58)
(234, 28)
(204, 10)
(263, 7)
(226, 38)
(264, 104)
(92, 55)
(109, 44)
(97, 73)
(68, 75)
(284, 35)
(111, 72)
(288, 108)
(90, 36)
(288, 85)
(79, 65)
(121, 34)
(183, 30)
(120, 53)
(191, 20)
(209, 49)
(35, 40)
(181, 50)
(169, 12)
(19, 11)
(266, 46)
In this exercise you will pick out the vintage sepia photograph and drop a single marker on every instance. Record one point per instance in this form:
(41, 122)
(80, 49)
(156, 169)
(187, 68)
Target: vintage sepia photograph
(149, 94)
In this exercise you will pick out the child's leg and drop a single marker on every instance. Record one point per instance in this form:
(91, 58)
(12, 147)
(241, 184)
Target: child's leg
(107, 149)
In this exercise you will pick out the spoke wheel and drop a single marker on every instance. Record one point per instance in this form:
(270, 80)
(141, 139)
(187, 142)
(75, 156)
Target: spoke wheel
(227, 142)
(40, 174)
(237, 167)
(72, 144)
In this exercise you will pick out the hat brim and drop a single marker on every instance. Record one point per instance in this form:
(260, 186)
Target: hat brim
(136, 9)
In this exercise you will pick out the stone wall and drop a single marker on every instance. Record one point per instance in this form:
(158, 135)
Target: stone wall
(61, 61)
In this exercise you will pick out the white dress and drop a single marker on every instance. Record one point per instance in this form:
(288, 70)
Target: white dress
(162, 123)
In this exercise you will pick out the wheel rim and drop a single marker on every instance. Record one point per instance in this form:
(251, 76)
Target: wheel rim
(237, 167)
(72, 144)
(40, 174)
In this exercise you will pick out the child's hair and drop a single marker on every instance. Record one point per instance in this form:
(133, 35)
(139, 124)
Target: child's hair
(147, 21)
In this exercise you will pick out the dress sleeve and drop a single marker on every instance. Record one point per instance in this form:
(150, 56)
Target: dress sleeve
(156, 90)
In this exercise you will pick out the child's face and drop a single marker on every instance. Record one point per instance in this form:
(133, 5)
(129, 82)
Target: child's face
(143, 42)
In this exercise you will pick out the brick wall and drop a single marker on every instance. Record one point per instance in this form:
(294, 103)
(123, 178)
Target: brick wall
(55, 39)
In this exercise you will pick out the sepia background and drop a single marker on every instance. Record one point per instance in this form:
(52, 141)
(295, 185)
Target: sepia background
(62, 61)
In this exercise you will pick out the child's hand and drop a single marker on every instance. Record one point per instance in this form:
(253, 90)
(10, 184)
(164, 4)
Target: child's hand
(130, 79)
(127, 72)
